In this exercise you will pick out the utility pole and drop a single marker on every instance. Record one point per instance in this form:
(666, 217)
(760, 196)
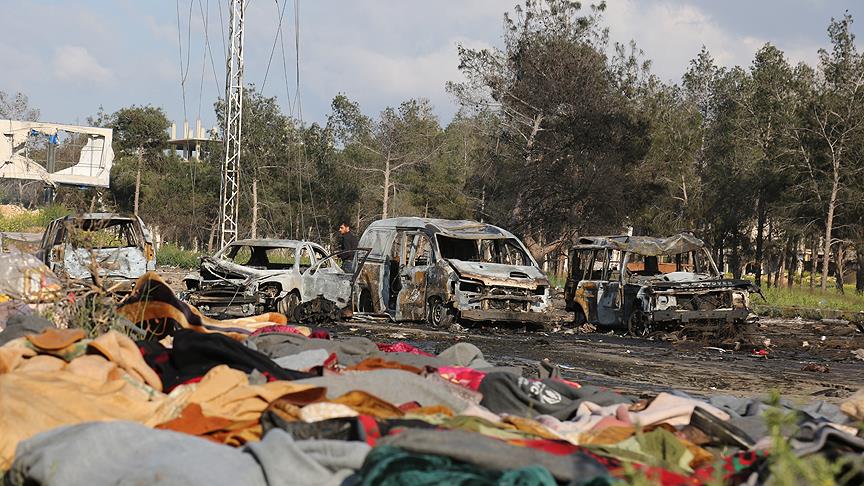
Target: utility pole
(229, 186)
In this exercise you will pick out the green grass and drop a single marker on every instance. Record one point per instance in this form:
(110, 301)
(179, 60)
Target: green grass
(812, 299)
(174, 256)
(32, 221)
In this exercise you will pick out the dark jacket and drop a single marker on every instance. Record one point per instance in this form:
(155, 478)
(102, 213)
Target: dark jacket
(347, 241)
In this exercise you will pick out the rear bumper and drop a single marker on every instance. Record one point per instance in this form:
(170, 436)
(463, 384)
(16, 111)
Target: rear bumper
(722, 315)
(505, 316)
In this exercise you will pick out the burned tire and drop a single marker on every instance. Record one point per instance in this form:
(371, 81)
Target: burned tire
(364, 303)
(638, 324)
(438, 314)
(288, 305)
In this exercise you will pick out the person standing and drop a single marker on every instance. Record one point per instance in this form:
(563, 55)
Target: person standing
(347, 240)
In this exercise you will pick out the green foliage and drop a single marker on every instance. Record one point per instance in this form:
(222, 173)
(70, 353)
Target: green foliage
(32, 221)
(804, 298)
(140, 128)
(173, 256)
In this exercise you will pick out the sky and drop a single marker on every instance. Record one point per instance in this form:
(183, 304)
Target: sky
(73, 56)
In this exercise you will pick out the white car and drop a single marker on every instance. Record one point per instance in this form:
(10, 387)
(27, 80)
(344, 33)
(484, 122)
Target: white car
(292, 277)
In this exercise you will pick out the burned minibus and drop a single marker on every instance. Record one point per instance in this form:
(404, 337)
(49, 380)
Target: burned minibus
(645, 283)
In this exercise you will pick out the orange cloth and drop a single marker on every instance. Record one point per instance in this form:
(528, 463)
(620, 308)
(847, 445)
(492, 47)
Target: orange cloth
(607, 436)
(380, 363)
(123, 351)
(53, 339)
(368, 404)
(226, 392)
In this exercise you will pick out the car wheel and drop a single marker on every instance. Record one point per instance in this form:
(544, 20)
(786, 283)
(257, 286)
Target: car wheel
(288, 305)
(438, 314)
(638, 324)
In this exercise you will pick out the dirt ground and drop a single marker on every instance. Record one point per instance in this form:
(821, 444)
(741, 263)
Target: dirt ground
(638, 366)
(806, 360)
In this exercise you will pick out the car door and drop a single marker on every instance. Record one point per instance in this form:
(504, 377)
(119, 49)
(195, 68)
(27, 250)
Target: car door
(327, 279)
(411, 300)
(609, 289)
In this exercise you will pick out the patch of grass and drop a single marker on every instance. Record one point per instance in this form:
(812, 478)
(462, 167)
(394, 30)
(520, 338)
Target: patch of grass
(174, 256)
(32, 221)
(556, 280)
(805, 298)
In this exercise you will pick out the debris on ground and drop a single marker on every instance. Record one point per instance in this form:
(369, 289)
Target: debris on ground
(261, 400)
(816, 368)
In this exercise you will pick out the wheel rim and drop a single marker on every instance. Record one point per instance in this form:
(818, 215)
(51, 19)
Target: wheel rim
(437, 311)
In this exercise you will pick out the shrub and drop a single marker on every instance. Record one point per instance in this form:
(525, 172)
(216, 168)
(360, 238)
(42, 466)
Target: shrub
(173, 256)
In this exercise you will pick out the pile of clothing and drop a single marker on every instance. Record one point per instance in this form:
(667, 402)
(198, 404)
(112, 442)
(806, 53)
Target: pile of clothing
(259, 401)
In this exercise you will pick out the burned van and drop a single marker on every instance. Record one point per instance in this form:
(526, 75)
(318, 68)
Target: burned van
(647, 283)
(118, 247)
(446, 270)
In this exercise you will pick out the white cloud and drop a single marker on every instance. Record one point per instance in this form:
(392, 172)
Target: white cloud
(671, 34)
(386, 78)
(75, 63)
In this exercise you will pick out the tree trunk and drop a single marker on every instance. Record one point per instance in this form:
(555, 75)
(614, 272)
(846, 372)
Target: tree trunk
(839, 267)
(792, 258)
(829, 224)
(760, 236)
(386, 202)
(255, 206)
(735, 258)
(137, 188)
(781, 269)
(813, 260)
(212, 235)
(859, 272)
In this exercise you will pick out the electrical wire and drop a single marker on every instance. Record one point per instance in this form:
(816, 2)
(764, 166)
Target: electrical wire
(180, 47)
(275, 40)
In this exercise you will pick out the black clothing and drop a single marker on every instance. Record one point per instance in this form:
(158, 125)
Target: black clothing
(347, 241)
(194, 354)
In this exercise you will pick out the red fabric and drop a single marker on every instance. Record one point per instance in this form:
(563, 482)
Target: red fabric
(559, 448)
(370, 426)
(568, 382)
(409, 406)
(319, 334)
(402, 347)
(279, 328)
(467, 377)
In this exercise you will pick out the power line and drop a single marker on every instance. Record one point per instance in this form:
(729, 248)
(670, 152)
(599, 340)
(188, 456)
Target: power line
(206, 17)
(297, 58)
(275, 40)
(180, 47)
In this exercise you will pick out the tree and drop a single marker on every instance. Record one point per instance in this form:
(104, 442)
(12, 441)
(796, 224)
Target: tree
(829, 142)
(569, 134)
(140, 132)
(17, 107)
(400, 139)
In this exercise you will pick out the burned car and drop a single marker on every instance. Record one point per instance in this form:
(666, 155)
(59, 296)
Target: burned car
(119, 246)
(647, 283)
(287, 276)
(444, 270)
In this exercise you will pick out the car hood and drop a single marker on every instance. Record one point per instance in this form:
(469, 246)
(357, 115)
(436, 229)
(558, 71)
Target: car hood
(521, 276)
(707, 284)
(129, 263)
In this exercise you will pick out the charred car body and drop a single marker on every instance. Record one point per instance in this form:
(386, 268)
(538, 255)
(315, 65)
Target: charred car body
(258, 275)
(647, 283)
(442, 270)
(119, 246)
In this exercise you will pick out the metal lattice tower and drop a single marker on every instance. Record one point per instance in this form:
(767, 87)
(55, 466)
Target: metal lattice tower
(229, 189)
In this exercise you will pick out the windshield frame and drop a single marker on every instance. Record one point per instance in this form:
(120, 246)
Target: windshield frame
(516, 242)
